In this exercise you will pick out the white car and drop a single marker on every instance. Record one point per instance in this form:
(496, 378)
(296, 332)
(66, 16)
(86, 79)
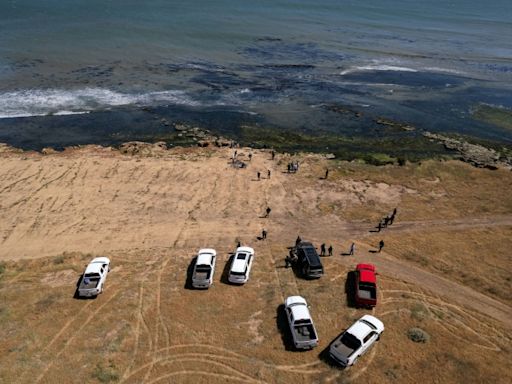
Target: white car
(93, 279)
(241, 265)
(202, 277)
(356, 340)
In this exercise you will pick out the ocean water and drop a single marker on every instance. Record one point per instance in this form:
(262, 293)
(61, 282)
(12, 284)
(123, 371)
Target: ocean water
(280, 62)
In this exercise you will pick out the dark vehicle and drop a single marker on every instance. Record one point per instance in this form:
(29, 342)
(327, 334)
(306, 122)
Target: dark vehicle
(308, 260)
(366, 286)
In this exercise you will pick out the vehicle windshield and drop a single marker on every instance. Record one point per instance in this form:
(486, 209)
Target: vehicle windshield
(369, 324)
(350, 341)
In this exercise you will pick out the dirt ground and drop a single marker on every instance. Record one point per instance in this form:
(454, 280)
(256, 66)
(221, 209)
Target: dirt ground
(445, 267)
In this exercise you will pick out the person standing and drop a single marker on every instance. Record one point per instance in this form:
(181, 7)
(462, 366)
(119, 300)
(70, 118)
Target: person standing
(273, 154)
(326, 173)
(352, 249)
(264, 234)
(330, 250)
(322, 249)
(381, 245)
(267, 212)
(259, 175)
(379, 226)
(298, 240)
(268, 173)
(250, 156)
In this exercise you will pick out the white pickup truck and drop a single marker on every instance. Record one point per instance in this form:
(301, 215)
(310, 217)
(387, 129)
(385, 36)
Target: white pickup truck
(93, 279)
(301, 325)
(204, 268)
(356, 340)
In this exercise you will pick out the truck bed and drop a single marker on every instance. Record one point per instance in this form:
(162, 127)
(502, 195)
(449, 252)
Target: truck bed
(89, 283)
(367, 292)
(304, 332)
(202, 274)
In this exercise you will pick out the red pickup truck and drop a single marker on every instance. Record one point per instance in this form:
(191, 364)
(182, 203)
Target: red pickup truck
(366, 286)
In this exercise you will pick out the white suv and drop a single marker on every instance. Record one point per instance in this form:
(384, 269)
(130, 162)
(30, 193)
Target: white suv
(241, 265)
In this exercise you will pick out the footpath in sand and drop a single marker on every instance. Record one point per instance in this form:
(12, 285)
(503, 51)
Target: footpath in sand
(445, 266)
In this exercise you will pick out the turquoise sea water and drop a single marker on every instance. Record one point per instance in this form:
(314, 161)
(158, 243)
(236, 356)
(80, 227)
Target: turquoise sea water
(429, 63)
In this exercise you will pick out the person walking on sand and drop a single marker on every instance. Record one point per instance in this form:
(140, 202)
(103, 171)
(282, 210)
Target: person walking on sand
(322, 249)
(250, 156)
(379, 226)
(381, 245)
(298, 240)
(259, 175)
(267, 212)
(273, 154)
(326, 173)
(352, 249)
(330, 250)
(263, 234)
(268, 173)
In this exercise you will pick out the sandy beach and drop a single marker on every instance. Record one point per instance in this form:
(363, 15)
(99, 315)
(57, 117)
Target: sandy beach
(445, 266)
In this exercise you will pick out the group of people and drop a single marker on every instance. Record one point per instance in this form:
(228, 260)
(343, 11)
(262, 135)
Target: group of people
(322, 250)
(258, 174)
(293, 167)
(388, 220)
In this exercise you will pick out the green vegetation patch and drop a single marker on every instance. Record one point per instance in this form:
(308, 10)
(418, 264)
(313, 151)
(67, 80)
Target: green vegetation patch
(498, 116)
(418, 335)
(105, 374)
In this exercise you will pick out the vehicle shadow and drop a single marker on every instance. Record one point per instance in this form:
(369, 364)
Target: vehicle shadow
(76, 296)
(190, 271)
(284, 328)
(350, 284)
(225, 271)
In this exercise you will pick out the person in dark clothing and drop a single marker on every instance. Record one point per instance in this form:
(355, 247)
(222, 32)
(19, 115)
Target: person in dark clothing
(381, 245)
(330, 250)
(259, 175)
(385, 221)
(273, 154)
(288, 168)
(326, 174)
(394, 212)
(298, 240)
(250, 156)
(391, 219)
(264, 234)
(352, 249)
(267, 212)
(322, 250)
(379, 226)
(268, 173)
(238, 245)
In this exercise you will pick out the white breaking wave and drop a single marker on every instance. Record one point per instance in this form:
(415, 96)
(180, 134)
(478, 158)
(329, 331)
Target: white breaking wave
(379, 67)
(42, 102)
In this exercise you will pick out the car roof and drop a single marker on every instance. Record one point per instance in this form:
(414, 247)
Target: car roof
(204, 258)
(311, 254)
(239, 265)
(94, 268)
(361, 328)
(299, 307)
(367, 276)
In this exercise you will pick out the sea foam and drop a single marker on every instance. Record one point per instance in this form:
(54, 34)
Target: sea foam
(42, 102)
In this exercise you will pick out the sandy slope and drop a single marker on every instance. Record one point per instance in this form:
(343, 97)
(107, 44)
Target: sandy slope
(150, 214)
